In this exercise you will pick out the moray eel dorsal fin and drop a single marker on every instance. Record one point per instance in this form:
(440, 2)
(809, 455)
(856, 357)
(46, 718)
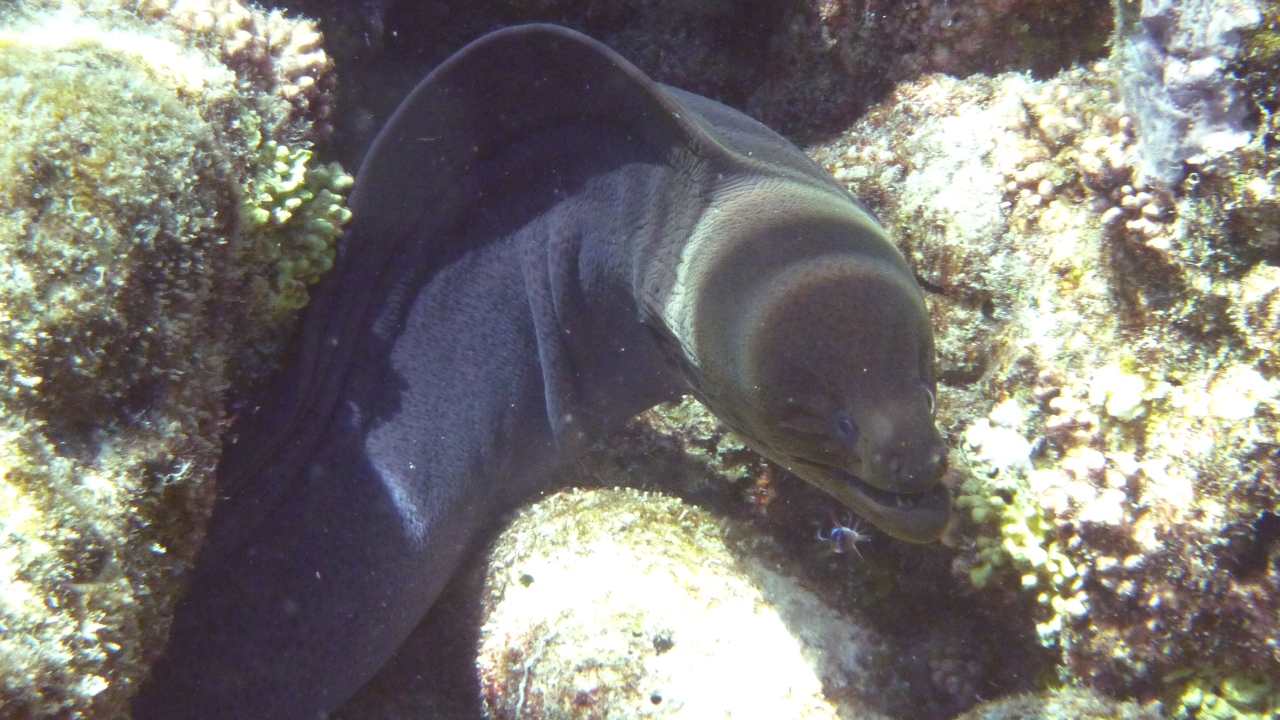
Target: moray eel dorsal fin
(544, 243)
(489, 96)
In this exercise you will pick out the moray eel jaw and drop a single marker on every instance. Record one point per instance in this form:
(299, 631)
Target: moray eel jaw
(915, 517)
(839, 355)
(891, 475)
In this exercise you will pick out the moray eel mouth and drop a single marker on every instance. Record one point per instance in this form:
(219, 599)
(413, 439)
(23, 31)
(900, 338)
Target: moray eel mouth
(919, 517)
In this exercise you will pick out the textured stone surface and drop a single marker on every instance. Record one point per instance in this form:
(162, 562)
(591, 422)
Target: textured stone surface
(131, 139)
(621, 604)
(1107, 367)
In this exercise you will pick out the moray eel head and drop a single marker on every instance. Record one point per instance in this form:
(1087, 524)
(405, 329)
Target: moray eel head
(836, 363)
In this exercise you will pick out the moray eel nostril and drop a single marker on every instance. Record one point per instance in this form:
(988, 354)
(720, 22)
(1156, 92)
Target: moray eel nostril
(545, 242)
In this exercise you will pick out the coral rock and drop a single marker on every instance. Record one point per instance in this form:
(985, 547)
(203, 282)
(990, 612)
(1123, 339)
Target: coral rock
(1070, 704)
(622, 604)
(128, 303)
(1136, 326)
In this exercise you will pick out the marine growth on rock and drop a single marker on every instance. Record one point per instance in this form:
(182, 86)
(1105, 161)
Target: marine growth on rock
(1107, 348)
(1092, 208)
(134, 287)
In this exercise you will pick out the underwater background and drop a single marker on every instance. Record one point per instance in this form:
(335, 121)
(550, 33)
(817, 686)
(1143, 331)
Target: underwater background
(1087, 191)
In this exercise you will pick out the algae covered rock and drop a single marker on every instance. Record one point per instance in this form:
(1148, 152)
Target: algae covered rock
(622, 604)
(129, 143)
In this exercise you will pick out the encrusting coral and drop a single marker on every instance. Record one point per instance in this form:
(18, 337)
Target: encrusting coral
(134, 284)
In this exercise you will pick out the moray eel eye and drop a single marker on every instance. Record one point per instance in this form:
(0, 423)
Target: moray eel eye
(845, 428)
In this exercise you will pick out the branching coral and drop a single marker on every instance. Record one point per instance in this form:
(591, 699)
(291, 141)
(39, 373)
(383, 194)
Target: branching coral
(281, 58)
(1015, 530)
(294, 213)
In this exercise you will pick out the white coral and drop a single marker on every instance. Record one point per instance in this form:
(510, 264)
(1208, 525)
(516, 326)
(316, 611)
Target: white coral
(1176, 83)
(277, 56)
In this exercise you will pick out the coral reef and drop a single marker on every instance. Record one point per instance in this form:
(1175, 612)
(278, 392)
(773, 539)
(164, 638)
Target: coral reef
(1107, 363)
(805, 68)
(1101, 244)
(617, 603)
(132, 138)
(1242, 696)
(834, 59)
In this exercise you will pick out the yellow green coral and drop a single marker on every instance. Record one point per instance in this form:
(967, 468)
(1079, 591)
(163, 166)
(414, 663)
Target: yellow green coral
(294, 212)
(1014, 534)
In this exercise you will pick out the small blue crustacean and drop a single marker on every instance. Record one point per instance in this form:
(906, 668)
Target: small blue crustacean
(842, 538)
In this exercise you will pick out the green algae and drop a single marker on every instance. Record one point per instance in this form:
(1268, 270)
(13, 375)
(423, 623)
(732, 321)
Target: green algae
(107, 199)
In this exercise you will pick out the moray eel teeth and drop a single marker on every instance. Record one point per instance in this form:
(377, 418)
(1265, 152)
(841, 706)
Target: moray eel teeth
(915, 517)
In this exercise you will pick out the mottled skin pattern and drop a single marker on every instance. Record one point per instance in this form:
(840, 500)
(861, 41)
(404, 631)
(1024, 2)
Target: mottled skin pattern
(545, 243)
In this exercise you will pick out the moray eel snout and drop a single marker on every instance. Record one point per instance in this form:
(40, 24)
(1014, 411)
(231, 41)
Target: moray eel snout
(901, 451)
(889, 472)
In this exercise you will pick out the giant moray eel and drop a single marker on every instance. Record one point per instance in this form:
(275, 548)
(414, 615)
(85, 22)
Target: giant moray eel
(545, 242)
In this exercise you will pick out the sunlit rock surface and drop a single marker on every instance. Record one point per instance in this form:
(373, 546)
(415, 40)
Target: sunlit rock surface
(620, 604)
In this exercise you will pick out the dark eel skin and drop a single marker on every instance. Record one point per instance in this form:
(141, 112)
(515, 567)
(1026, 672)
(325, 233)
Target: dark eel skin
(545, 242)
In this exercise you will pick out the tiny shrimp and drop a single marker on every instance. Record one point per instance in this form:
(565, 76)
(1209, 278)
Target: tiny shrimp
(842, 538)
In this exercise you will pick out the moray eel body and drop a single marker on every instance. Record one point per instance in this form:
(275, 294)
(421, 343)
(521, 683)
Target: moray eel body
(544, 243)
